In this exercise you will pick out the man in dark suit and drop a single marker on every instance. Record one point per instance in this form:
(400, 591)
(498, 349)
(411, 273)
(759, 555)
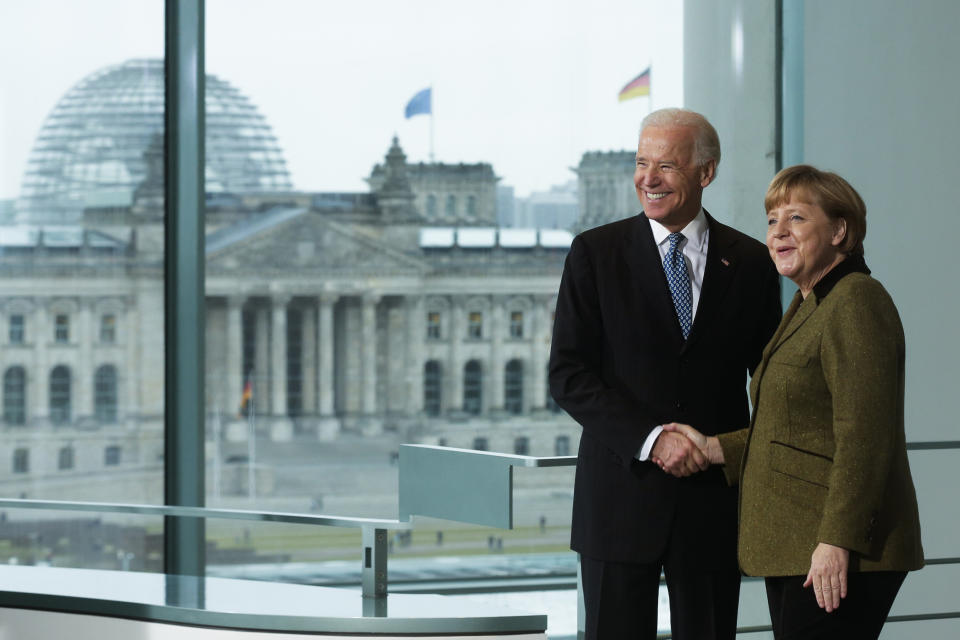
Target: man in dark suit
(659, 318)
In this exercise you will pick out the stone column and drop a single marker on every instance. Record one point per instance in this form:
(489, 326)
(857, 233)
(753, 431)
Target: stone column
(454, 368)
(416, 337)
(40, 389)
(261, 367)
(281, 427)
(539, 353)
(496, 393)
(84, 378)
(309, 359)
(371, 423)
(234, 376)
(329, 425)
(131, 375)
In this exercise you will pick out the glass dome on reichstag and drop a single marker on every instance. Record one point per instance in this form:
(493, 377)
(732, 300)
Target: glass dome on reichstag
(90, 150)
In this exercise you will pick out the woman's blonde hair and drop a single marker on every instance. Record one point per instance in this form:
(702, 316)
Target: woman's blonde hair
(827, 190)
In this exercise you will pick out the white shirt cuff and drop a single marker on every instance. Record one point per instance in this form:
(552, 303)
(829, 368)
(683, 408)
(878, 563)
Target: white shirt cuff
(644, 454)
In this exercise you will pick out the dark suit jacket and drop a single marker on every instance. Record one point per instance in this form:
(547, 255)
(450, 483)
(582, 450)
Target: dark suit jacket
(620, 366)
(825, 458)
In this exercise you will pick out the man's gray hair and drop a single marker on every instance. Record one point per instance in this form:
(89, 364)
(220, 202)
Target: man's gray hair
(706, 146)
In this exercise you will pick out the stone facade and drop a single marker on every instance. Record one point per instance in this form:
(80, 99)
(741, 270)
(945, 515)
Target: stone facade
(605, 187)
(330, 306)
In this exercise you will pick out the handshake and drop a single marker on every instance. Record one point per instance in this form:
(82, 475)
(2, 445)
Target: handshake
(681, 450)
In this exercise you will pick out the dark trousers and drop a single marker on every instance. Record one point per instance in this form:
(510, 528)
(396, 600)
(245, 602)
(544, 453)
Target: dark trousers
(621, 600)
(860, 616)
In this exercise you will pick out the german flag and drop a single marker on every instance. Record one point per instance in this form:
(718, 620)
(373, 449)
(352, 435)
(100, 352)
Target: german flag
(639, 86)
(245, 398)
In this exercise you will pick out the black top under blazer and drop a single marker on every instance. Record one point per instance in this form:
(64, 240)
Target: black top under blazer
(619, 366)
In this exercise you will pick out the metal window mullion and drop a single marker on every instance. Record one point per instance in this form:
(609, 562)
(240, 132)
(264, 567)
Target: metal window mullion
(184, 537)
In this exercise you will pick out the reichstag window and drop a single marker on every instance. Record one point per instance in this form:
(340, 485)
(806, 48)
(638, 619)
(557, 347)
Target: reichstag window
(105, 394)
(15, 396)
(65, 458)
(61, 328)
(473, 387)
(451, 208)
(521, 446)
(432, 387)
(16, 332)
(561, 446)
(480, 444)
(513, 387)
(433, 325)
(21, 460)
(516, 324)
(475, 324)
(60, 395)
(111, 456)
(471, 205)
(431, 206)
(108, 328)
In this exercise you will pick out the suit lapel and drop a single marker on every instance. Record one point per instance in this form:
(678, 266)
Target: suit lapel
(718, 273)
(643, 258)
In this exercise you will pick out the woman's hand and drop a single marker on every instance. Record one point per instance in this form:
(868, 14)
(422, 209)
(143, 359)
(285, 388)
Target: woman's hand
(710, 446)
(828, 575)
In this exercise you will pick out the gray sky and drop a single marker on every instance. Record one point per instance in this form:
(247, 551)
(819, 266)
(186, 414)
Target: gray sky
(527, 85)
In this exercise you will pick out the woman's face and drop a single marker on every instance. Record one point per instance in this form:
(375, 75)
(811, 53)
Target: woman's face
(804, 242)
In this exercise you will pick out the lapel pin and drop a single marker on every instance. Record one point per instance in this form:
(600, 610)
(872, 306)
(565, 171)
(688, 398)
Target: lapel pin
(725, 262)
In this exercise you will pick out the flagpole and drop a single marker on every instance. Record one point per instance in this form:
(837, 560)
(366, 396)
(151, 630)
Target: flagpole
(251, 451)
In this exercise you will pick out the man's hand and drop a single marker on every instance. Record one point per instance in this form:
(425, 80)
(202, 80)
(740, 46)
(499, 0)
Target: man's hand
(676, 455)
(710, 446)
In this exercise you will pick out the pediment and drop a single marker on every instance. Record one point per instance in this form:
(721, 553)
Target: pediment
(310, 245)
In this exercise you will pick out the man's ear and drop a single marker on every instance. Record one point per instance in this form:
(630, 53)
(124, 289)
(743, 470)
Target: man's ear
(708, 171)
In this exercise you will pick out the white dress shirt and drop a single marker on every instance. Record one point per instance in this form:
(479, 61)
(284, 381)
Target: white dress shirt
(696, 235)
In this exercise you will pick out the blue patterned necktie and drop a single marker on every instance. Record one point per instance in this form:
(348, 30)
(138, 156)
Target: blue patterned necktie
(679, 281)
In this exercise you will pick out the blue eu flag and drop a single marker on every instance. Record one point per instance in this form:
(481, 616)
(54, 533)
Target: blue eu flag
(420, 103)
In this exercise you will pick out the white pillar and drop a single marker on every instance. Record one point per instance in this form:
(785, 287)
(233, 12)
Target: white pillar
(40, 386)
(371, 422)
(278, 356)
(416, 336)
(328, 425)
(309, 360)
(540, 353)
(84, 377)
(281, 428)
(496, 393)
(455, 364)
(261, 366)
(369, 353)
(130, 374)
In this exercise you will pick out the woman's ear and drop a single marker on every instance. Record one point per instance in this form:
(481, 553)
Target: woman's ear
(839, 232)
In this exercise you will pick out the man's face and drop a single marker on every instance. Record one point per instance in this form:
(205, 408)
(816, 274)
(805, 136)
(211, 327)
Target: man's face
(668, 181)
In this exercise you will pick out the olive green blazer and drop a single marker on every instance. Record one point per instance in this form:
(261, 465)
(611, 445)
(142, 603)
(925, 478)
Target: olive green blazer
(824, 458)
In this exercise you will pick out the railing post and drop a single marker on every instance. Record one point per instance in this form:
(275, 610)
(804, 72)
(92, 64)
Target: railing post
(374, 574)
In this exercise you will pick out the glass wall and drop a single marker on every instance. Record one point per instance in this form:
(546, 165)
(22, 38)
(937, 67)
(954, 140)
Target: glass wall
(384, 281)
(81, 276)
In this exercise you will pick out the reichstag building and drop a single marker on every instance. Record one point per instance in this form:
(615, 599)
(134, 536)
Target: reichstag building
(402, 310)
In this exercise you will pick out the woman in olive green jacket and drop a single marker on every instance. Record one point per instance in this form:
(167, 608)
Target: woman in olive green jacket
(826, 496)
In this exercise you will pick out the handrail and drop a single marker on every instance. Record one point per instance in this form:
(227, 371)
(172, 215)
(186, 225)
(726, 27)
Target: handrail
(373, 573)
(205, 512)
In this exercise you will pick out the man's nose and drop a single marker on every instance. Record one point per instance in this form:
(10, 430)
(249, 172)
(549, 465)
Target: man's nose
(649, 176)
